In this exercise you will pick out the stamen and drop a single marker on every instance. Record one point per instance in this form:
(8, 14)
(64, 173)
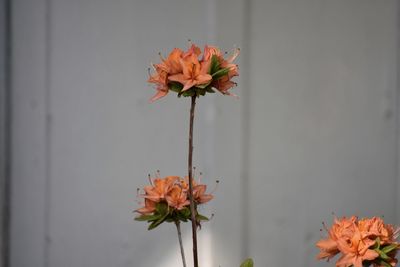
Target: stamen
(151, 182)
(158, 173)
(161, 57)
(396, 233)
(215, 188)
(325, 227)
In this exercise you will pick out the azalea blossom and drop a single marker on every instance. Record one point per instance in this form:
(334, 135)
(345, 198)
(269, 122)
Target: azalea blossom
(177, 198)
(182, 71)
(356, 251)
(199, 191)
(199, 194)
(172, 64)
(366, 241)
(194, 73)
(173, 191)
(341, 229)
(160, 188)
(149, 207)
(161, 82)
(210, 51)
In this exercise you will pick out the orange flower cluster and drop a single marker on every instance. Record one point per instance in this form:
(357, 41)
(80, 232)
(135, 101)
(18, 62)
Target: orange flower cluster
(364, 242)
(167, 199)
(188, 74)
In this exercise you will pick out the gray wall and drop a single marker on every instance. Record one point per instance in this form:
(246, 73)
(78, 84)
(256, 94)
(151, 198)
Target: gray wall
(2, 128)
(314, 131)
(4, 134)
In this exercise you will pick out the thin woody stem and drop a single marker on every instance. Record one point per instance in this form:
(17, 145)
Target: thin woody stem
(178, 228)
(193, 211)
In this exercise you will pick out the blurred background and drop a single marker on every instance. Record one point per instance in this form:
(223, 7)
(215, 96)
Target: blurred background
(315, 130)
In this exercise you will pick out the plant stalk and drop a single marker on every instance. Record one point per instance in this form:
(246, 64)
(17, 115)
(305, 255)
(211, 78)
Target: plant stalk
(178, 228)
(193, 211)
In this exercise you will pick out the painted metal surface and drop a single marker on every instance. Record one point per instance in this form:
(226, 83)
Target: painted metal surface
(314, 130)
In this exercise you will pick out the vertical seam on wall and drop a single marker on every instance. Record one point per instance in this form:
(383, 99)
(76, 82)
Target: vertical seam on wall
(245, 181)
(7, 130)
(47, 197)
(209, 121)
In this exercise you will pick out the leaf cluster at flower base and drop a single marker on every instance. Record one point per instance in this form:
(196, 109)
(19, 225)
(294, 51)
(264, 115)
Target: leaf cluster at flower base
(163, 213)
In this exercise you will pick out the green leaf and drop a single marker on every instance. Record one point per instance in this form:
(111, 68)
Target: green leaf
(200, 91)
(185, 212)
(378, 243)
(162, 208)
(220, 73)
(200, 217)
(158, 222)
(214, 67)
(384, 263)
(189, 92)
(202, 86)
(209, 90)
(153, 225)
(169, 219)
(389, 248)
(247, 263)
(183, 219)
(382, 254)
(148, 217)
(175, 86)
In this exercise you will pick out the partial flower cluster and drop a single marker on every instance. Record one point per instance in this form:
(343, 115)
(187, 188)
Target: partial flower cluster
(167, 199)
(189, 73)
(364, 242)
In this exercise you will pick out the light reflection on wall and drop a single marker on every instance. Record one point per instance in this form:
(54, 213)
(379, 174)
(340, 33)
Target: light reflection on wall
(205, 251)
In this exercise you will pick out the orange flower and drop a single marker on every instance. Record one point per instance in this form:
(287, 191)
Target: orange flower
(160, 78)
(228, 63)
(149, 207)
(186, 69)
(356, 251)
(199, 194)
(210, 51)
(224, 83)
(160, 188)
(375, 227)
(172, 64)
(328, 249)
(368, 240)
(194, 73)
(199, 191)
(341, 229)
(193, 50)
(177, 197)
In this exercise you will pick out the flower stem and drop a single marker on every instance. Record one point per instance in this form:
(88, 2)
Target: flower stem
(178, 228)
(193, 211)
